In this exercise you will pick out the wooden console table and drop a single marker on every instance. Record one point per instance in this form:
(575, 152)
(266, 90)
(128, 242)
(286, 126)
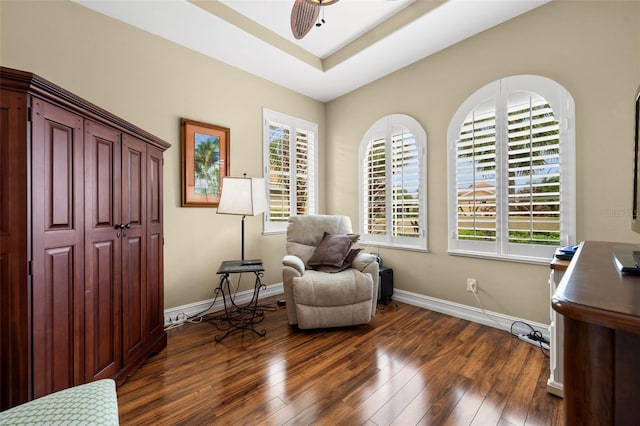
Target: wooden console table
(601, 310)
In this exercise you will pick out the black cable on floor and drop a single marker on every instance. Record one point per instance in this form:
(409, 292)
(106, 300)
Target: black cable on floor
(534, 335)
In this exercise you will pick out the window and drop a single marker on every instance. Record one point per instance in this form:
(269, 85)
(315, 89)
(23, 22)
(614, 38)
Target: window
(289, 150)
(512, 170)
(393, 184)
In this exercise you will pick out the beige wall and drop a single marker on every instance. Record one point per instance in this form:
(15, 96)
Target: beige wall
(152, 83)
(593, 50)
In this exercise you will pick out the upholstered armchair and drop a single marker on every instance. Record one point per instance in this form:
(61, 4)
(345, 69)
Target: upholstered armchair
(323, 286)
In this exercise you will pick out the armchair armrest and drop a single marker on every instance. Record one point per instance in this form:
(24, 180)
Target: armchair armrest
(294, 262)
(368, 264)
(292, 267)
(362, 261)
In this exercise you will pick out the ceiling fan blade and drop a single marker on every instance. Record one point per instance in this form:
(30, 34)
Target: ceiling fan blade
(303, 16)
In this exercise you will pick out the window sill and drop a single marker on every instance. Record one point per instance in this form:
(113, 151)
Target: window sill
(517, 259)
(366, 244)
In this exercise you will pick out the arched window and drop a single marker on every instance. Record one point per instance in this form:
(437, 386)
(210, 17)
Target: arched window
(512, 170)
(393, 184)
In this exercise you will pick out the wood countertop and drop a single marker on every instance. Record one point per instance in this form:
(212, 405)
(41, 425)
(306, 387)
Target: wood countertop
(594, 291)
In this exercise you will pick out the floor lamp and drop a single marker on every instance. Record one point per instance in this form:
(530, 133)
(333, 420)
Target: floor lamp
(244, 197)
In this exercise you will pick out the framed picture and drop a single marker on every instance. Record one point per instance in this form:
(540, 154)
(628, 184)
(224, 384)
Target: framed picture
(205, 160)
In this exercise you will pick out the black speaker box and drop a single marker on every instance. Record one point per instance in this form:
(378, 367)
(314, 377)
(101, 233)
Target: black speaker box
(385, 285)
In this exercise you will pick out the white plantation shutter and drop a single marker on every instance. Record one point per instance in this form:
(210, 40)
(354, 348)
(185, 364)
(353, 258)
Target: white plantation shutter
(393, 183)
(304, 161)
(405, 184)
(290, 164)
(534, 171)
(512, 170)
(476, 176)
(376, 187)
(279, 194)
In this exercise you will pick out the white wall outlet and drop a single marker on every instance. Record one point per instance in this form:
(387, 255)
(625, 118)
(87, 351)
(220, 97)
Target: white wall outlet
(472, 285)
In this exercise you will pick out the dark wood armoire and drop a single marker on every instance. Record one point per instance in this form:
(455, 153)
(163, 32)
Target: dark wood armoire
(81, 241)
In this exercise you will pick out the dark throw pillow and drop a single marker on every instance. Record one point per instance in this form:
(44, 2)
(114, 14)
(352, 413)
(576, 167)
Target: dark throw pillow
(345, 265)
(332, 250)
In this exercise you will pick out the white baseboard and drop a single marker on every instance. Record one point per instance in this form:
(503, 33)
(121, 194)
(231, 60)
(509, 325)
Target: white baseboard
(466, 312)
(179, 314)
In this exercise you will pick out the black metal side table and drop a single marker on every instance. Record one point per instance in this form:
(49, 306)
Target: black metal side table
(236, 317)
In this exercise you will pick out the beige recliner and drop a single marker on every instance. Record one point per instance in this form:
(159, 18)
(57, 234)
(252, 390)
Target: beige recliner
(319, 299)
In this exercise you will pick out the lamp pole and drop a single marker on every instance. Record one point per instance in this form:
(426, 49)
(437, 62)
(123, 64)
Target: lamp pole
(242, 245)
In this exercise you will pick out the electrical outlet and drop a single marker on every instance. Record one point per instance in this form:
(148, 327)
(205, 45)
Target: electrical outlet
(472, 285)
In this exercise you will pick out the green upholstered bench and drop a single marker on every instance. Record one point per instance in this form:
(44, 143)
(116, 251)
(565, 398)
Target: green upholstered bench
(93, 403)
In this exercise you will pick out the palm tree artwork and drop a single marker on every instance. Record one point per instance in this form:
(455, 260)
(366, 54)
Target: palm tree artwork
(206, 165)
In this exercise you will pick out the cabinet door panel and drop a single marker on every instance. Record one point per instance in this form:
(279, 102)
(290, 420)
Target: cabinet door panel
(133, 181)
(103, 182)
(133, 290)
(7, 110)
(57, 238)
(58, 192)
(53, 339)
(134, 267)
(104, 335)
(155, 237)
(103, 350)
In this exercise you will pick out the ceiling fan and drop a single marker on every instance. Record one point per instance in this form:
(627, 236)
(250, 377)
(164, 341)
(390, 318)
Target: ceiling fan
(305, 14)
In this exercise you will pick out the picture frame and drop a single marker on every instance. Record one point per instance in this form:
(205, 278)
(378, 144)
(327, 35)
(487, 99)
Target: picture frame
(205, 161)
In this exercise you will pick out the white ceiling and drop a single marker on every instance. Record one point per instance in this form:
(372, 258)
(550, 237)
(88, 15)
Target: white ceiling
(361, 40)
(345, 21)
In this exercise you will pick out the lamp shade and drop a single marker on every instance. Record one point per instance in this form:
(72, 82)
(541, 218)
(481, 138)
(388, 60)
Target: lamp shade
(242, 196)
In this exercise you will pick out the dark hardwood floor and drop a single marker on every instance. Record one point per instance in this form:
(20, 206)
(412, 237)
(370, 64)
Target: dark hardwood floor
(409, 366)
